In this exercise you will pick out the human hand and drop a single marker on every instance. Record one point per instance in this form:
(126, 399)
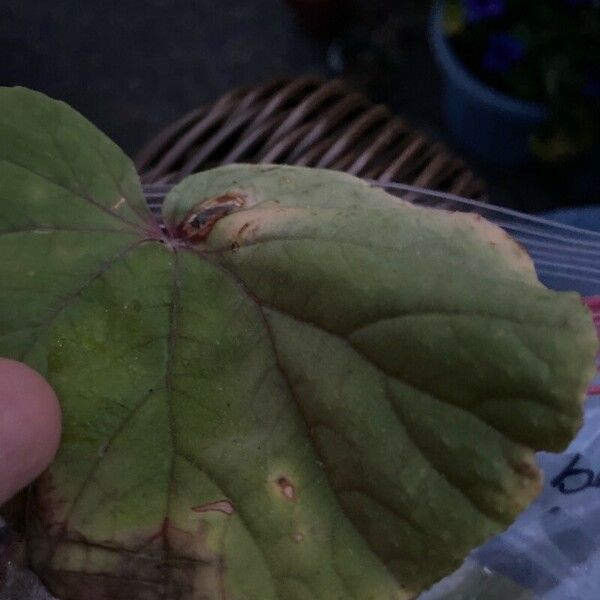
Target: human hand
(30, 425)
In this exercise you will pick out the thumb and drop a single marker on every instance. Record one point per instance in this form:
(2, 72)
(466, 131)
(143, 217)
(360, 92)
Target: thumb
(30, 424)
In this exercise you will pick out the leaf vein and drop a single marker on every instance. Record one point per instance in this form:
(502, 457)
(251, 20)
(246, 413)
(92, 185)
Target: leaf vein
(67, 301)
(75, 193)
(421, 449)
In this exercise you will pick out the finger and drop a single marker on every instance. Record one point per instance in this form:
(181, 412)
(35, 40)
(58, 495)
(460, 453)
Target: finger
(30, 424)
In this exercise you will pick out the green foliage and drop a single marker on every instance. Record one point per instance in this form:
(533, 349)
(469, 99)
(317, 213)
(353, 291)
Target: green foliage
(304, 389)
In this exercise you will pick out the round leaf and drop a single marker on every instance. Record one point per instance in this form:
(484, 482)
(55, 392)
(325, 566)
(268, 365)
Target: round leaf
(300, 389)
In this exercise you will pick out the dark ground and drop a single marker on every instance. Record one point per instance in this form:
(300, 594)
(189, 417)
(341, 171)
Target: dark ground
(132, 67)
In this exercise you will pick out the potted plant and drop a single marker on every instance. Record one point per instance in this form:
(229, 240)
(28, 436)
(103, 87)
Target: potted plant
(520, 78)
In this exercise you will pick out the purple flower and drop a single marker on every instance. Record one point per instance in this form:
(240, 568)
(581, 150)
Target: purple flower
(480, 10)
(503, 52)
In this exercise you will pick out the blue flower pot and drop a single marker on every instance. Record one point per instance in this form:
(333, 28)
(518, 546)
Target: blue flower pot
(492, 126)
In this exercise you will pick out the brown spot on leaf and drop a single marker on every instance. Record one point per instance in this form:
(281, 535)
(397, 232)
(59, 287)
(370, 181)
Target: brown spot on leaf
(223, 506)
(528, 470)
(242, 229)
(115, 573)
(287, 489)
(199, 222)
(298, 537)
(246, 233)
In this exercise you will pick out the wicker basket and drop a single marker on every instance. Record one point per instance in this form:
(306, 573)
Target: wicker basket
(309, 122)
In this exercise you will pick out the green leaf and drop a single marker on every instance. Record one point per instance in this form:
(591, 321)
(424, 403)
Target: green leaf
(304, 390)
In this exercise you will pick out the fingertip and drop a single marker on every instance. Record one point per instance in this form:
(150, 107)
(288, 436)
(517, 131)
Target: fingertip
(30, 426)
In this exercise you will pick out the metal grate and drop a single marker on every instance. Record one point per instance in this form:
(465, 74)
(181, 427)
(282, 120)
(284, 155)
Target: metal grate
(309, 122)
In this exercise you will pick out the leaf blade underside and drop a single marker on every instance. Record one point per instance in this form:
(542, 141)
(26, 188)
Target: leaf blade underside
(281, 411)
